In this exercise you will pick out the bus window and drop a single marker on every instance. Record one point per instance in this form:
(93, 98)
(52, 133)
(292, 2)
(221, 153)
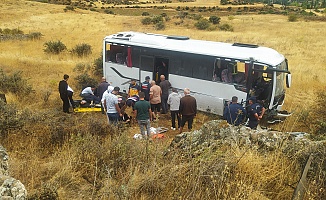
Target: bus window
(239, 76)
(119, 54)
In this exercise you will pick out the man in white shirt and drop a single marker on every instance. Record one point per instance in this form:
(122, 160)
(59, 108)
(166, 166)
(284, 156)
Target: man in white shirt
(111, 104)
(89, 96)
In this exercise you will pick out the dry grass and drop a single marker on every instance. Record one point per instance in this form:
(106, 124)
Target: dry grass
(81, 163)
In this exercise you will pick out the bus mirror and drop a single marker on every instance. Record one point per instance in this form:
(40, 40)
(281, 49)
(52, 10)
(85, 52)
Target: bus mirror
(288, 80)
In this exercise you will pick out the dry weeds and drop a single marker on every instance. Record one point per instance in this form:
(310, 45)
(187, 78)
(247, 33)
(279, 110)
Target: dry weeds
(84, 164)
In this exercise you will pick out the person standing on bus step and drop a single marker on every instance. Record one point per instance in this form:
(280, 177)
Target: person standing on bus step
(187, 109)
(165, 86)
(143, 114)
(111, 102)
(174, 102)
(101, 88)
(162, 69)
(134, 88)
(145, 87)
(234, 113)
(155, 93)
(63, 90)
(255, 113)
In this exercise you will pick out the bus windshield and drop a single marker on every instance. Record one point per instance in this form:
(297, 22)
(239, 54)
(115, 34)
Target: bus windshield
(280, 77)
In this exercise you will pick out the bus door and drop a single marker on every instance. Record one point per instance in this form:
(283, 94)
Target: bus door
(161, 68)
(146, 67)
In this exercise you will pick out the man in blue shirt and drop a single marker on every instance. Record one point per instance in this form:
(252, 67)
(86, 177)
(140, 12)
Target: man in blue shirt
(255, 113)
(145, 87)
(234, 113)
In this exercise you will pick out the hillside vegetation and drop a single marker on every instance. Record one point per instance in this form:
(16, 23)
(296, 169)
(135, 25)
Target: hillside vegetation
(80, 157)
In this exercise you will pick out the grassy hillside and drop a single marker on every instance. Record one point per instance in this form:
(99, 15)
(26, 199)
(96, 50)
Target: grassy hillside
(80, 157)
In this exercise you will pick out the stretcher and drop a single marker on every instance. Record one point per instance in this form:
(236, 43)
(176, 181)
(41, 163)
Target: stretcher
(79, 107)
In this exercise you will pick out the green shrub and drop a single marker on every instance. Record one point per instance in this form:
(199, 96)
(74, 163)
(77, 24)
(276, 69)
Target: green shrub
(84, 80)
(54, 47)
(35, 35)
(15, 83)
(157, 19)
(16, 31)
(293, 18)
(98, 66)
(80, 67)
(109, 12)
(160, 26)
(146, 21)
(10, 118)
(82, 50)
(214, 19)
(70, 7)
(226, 27)
(145, 14)
(202, 24)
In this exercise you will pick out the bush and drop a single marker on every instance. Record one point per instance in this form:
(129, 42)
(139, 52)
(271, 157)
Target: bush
(226, 27)
(214, 19)
(202, 24)
(160, 26)
(70, 8)
(293, 18)
(157, 19)
(98, 66)
(84, 80)
(54, 47)
(15, 84)
(82, 50)
(10, 118)
(34, 35)
(145, 14)
(109, 12)
(146, 21)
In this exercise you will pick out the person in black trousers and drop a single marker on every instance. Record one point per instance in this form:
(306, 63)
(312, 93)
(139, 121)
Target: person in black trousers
(63, 90)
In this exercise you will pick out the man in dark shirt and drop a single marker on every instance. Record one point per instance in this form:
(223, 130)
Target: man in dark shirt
(102, 87)
(255, 113)
(165, 86)
(145, 87)
(234, 113)
(63, 86)
(188, 109)
(143, 114)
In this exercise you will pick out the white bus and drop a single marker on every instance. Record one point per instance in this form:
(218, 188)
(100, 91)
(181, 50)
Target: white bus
(214, 71)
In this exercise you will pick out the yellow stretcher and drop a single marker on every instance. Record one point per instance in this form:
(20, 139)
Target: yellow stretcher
(92, 109)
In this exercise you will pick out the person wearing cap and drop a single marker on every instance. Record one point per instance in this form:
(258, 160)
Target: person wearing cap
(255, 112)
(111, 103)
(145, 87)
(134, 88)
(234, 113)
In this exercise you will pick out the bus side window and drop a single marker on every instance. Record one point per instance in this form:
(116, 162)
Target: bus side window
(217, 70)
(240, 77)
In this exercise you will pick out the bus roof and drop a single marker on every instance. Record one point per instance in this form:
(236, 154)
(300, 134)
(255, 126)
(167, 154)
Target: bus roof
(184, 44)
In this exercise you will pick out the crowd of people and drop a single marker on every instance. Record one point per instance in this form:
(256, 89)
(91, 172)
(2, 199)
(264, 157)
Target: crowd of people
(149, 99)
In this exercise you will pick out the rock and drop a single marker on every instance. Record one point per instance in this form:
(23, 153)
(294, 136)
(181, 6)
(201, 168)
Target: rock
(10, 188)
